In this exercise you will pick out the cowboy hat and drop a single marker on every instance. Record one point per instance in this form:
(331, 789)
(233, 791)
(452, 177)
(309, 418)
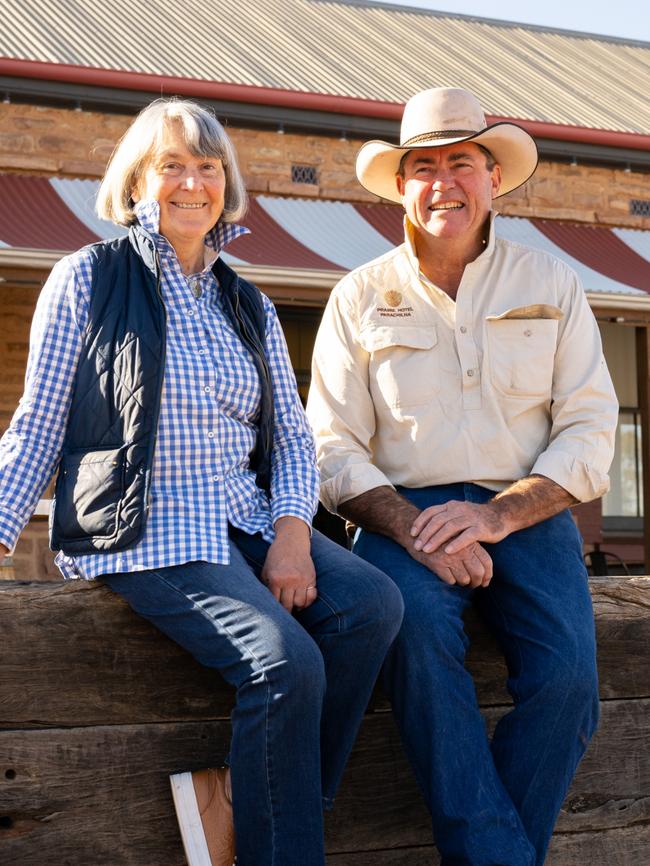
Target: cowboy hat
(440, 116)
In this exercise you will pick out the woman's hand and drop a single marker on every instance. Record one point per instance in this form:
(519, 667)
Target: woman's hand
(288, 570)
(3, 552)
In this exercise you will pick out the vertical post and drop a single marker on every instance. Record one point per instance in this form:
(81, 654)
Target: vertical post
(643, 387)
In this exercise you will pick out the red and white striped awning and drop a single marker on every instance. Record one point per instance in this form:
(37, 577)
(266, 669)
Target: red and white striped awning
(316, 237)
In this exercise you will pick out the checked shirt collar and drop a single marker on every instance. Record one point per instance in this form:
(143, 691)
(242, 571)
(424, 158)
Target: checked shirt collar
(148, 214)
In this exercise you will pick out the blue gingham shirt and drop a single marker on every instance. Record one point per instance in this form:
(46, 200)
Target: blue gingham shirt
(201, 480)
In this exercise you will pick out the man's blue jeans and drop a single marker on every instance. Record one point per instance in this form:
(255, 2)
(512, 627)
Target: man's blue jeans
(303, 682)
(494, 804)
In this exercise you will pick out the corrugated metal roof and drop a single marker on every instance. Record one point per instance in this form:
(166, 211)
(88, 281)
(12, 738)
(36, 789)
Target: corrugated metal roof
(361, 50)
(311, 234)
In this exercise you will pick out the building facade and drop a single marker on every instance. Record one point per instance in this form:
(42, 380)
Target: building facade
(589, 201)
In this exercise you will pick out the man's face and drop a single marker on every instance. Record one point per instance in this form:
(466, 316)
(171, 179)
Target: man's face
(447, 191)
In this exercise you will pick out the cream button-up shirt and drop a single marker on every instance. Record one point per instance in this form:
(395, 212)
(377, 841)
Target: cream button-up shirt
(412, 388)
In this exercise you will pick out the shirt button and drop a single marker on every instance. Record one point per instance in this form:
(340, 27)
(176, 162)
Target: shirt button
(190, 312)
(463, 329)
(215, 477)
(470, 372)
(201, 351)
(207, 389)
(210, 435)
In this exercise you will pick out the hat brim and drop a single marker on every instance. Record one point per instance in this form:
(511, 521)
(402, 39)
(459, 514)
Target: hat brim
(511, 146)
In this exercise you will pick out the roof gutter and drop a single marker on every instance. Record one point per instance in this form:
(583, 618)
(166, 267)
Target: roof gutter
(323, 102)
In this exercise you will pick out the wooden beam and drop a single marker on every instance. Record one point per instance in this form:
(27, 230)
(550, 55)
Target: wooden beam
(100, 795)
(97, 709)
(75, 654)
(643, 386)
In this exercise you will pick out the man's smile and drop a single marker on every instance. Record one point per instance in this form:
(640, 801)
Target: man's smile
(447, 205)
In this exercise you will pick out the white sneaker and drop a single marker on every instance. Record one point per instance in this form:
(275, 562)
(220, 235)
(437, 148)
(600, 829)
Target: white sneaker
(204, 810)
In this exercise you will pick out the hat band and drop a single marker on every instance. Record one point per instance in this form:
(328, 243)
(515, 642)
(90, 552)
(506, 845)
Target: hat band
(445, 133)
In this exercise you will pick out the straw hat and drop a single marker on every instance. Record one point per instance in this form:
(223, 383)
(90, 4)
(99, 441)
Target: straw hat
(440, 116)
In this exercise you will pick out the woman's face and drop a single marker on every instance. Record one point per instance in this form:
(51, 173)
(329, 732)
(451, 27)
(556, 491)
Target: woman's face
(190, 189)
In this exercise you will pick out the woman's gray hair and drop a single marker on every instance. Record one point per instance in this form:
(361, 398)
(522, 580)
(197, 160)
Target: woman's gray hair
(204, 136)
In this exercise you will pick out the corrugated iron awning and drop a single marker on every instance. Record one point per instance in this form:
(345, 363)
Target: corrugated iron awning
(315, 236)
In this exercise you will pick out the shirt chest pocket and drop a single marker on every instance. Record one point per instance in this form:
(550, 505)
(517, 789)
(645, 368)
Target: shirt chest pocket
(403, 367)
(521, 353)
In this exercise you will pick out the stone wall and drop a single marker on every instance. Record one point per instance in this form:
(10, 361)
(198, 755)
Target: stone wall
(55, 141)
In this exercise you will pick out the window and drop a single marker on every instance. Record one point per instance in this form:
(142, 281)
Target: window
(625, 498)
(623, 505)
(640, 207)
(304, 174)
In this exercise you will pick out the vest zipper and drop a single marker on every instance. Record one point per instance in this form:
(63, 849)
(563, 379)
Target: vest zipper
(160, 383)
(254, 341)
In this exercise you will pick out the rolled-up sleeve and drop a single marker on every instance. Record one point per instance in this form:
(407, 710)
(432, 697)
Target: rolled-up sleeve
(294, 475)
(584, 408)
(340, 407)
(30, 448)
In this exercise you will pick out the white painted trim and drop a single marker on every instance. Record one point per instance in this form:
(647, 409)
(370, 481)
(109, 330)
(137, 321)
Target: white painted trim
(264, 275)
(612, 301)
(299, 277)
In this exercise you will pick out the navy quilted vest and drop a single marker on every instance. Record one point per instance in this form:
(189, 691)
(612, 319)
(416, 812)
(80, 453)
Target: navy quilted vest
(105, 471)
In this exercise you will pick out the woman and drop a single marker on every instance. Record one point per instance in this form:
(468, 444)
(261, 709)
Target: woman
(187, 483)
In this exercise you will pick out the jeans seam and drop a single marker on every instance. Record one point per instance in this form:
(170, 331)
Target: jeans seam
(239, 643)
(330, 604)
(514, 641)
(251, 559)
(268, 769)
(549, 740)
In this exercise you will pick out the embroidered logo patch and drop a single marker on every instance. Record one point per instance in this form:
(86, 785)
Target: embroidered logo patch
(393, 298)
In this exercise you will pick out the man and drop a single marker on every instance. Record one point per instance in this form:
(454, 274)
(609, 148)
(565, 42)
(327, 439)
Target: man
(461, 403)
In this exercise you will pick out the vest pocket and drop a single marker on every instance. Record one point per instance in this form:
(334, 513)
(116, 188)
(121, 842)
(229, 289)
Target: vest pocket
(89, 491)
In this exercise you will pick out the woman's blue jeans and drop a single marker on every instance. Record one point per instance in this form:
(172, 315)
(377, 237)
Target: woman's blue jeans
(303, 681)
(494, 803)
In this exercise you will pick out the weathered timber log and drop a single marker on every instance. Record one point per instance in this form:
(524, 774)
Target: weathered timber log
(622, 611)
(82, 658)
(98, 708)
(100, 794)
(611, 790)
(629, 847)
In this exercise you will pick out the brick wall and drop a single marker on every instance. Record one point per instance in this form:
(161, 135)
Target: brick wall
(32, 558)
(77, 144)
(17, 304)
